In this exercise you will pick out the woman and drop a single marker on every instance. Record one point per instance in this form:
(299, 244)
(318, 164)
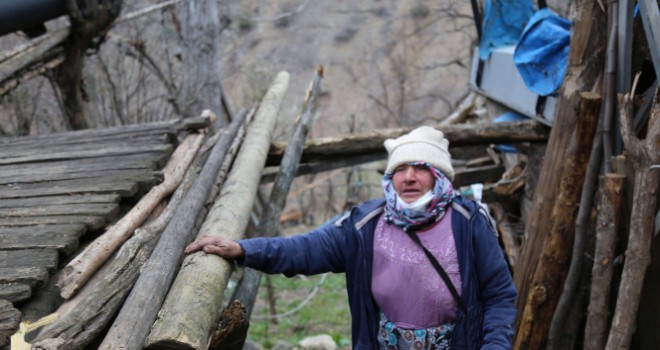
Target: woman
(398, 298)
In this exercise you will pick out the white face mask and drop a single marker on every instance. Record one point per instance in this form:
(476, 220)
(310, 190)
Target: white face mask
(420, 204)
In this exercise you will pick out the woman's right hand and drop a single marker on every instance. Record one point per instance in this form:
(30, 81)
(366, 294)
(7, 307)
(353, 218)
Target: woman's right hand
(220, 246)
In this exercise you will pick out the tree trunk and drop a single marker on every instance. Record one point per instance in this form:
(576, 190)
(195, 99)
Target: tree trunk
(644, 154)
(582, 72)
(87, 24)
(82, 268)
(201, 88)
(539, 305)
(131, 326)
(191, 310)
(595, 332)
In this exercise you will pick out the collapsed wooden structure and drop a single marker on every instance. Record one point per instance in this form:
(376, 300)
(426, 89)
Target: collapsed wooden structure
(548, 261)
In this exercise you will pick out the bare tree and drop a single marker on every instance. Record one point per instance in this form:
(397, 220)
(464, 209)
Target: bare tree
(89, 24)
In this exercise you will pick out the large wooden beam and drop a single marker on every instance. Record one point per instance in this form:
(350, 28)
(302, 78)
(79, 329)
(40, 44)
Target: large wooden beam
(331, 149)
(587, 37)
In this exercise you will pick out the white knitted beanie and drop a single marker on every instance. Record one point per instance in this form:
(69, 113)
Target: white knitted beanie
(424, 144)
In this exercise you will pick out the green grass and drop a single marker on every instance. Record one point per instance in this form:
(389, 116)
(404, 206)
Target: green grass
(326, 313)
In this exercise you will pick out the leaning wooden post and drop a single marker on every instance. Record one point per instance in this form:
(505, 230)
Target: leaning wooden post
(644, 154)
(609, 215)
(191, 310)
(132, 324)
(546, 283)
(587, 37)
(232, 329)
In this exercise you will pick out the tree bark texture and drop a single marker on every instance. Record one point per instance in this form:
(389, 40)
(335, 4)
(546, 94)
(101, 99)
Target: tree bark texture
(582, 72)
(201, 88)
(191, 310)
(139, 311)
(551, 269)
(87, 24)
(82, 268)
(595, 331)
(573, 279)
(644, 153)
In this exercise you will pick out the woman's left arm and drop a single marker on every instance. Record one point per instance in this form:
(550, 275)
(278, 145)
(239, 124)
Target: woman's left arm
(496, 287)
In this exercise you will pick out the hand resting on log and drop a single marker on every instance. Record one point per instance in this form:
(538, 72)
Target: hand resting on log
(223, 247)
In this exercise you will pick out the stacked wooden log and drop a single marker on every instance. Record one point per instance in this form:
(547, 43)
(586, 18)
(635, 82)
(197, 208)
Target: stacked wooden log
(55, 188)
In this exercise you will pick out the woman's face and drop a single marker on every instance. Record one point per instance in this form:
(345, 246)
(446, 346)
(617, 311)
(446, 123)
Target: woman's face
(412, 181)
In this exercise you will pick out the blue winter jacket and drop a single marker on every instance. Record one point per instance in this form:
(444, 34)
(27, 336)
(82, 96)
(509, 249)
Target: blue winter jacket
(346, 245)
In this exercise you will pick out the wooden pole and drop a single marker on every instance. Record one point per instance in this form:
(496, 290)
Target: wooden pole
(131, 326)
(228, 337)
(329, 149)
(587, 37)
(644, 154)
(547, 281)
(557, 327)
(191, 310)
(609, 216)
(80, 269)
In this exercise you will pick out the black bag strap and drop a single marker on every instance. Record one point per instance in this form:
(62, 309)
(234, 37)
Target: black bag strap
(440, 270)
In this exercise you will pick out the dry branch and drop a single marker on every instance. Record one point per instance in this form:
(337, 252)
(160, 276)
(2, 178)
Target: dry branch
(131, 326)
(595, 331)
(644, 153)
(80, 269)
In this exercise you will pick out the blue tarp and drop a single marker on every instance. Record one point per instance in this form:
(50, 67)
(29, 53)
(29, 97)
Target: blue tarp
(503, 23)
(542, 52)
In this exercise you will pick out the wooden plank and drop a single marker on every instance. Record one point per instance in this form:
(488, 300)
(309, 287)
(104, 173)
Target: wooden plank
(90, 153)
(161, 126)
(105, 209)
(59, 200)
(122, 187)
(15, 292)
(33, 276)
(64, 238)
(153, 160)
(32, 177)
(46, 258)
(9, 321)
(92, 222)
(13, 151)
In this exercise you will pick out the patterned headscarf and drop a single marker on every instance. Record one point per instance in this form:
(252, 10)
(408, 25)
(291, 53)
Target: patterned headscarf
(396, 213)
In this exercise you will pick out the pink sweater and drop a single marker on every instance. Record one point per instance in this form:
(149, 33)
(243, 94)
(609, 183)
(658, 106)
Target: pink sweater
(405, 285)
